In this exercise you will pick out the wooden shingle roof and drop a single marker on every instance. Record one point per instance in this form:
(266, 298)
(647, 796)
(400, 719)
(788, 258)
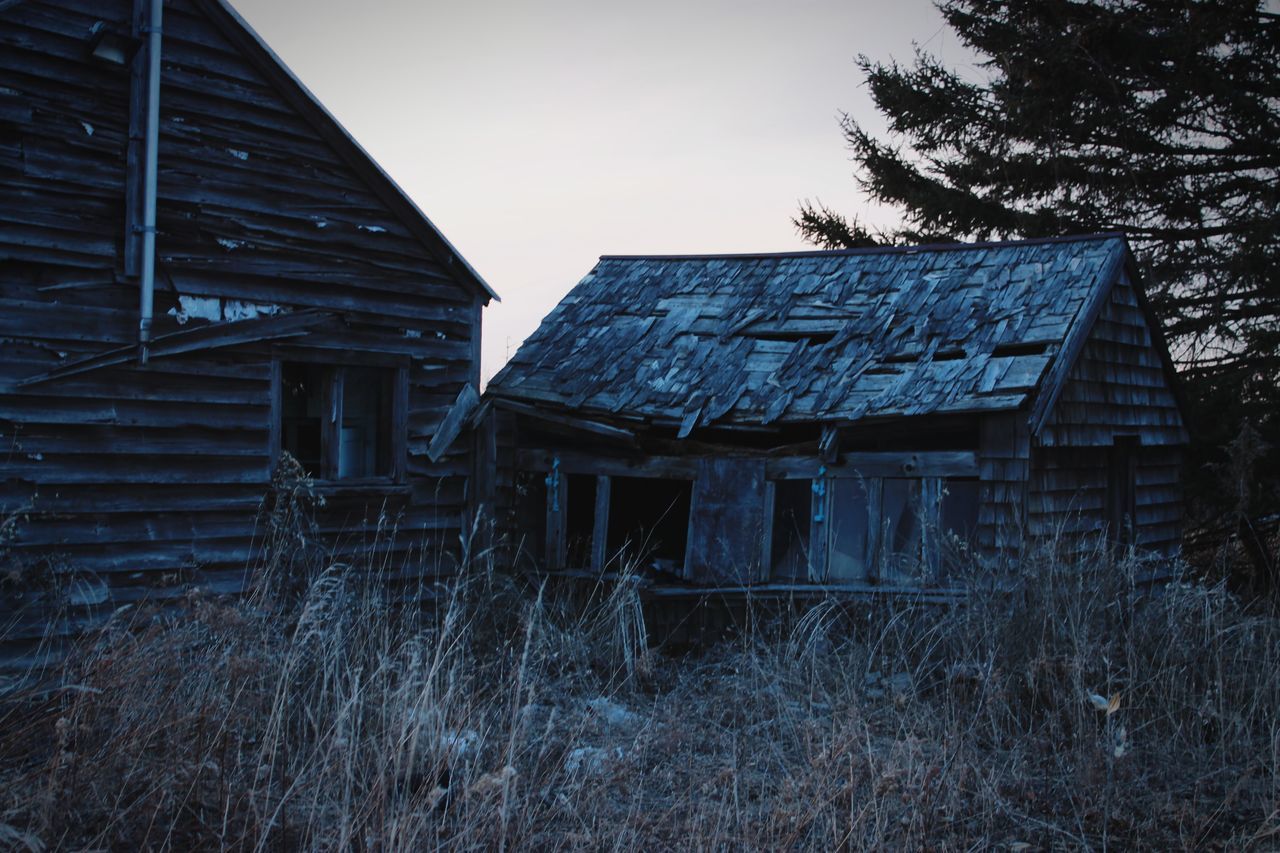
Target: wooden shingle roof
(815, 336)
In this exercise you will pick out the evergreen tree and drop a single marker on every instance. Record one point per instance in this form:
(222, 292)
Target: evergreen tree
(1158, 118)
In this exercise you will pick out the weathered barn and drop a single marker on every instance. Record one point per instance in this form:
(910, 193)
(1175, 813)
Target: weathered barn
(866, 419)
(163, 340)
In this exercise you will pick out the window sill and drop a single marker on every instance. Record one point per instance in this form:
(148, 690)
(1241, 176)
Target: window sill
(357, 488)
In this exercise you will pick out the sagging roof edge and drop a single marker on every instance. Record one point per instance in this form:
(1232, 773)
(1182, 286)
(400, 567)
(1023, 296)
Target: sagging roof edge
(241, 33)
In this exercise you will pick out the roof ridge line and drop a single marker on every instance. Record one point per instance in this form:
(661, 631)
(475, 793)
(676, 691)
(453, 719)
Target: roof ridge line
(875, 250)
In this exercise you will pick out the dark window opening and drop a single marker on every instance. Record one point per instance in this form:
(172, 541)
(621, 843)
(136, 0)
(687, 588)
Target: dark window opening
(302, 394)
(850, 529)
(649, 519)
(900, 528)
(792, 513)
(1122, 500)
(580, 519)
(338, 421)
(949, 355)
(1028, 348)
(957, 521)
(531, 517)
(364, 448)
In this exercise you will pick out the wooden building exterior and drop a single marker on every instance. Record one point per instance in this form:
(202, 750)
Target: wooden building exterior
(301, 303)
(869, 419)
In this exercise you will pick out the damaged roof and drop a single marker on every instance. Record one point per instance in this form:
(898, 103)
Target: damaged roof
(695, 341)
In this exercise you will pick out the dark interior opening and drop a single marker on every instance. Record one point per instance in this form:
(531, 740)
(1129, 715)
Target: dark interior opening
(958, 520)
(792, 511)
(649, 518)
(531, 518)
(901, 514)
(850, 529)
(812, 338)
(1122, 489)
(1027, 348)
(302, 400)
(580, 520)
(364, 448)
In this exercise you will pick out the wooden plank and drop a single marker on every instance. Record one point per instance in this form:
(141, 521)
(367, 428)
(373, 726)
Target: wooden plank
(930, 463)
(557, 501)
(820, 525)
(578, 423)
(600, 525)
(726, 520)
(675, 467)
(766, 537)
(204, 338)
(466, 404)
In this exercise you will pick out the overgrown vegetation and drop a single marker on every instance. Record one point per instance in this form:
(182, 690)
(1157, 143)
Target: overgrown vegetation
(1075, 711)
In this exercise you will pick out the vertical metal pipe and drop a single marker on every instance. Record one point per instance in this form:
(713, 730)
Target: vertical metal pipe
(151, 160)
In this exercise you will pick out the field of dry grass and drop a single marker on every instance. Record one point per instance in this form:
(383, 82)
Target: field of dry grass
(1072, 713)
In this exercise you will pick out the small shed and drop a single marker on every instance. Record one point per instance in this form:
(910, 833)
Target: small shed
(867, 419)
(167, 331)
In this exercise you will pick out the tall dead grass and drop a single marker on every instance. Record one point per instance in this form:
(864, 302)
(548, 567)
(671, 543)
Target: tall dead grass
(1076, 710)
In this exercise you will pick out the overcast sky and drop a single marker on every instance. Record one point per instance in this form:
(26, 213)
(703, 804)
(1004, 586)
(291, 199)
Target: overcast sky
(541, 135)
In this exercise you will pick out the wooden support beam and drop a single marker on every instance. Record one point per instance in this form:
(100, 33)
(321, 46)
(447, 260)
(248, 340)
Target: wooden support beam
(766, 533)
(463, 407)
(557, 500)
(829, 444)
(674, 467)
(600, 527)
(819, 526)
(933, 463)
(573, 422)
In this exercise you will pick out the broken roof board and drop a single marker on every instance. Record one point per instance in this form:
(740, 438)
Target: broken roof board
(815, 336)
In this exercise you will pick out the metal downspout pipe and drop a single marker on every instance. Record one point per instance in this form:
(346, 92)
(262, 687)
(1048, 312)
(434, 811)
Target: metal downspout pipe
(151, 160)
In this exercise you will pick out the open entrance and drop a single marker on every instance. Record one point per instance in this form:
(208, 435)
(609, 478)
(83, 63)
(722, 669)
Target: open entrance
(580, 515)
(792, 513)
(649, 519)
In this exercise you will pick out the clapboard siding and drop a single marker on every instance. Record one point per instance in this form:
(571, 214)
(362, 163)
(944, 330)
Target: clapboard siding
(1117, 387)
(154, 478)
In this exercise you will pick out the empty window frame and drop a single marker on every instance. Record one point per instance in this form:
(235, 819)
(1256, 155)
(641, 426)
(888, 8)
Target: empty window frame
(580, 515)
(851, 523)
(901, 530)
(649, 521)
(902, 526)
(343, 423)
(958, 502)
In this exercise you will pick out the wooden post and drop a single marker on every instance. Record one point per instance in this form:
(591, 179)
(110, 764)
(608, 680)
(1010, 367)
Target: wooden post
(600, 527)
(277, 416)
(766, 532)
(331, 425)
(557, 498)
(818, 527)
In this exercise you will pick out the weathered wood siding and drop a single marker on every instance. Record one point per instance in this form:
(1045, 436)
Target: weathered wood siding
(1117, 387)
(150, 478)
(1004, 454)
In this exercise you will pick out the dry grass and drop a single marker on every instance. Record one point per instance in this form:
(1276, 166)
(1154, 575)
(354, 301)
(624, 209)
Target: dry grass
(1072, 713)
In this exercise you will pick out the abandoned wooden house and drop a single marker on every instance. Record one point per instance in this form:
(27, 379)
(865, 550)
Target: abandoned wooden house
(200, 270)
(869, 419)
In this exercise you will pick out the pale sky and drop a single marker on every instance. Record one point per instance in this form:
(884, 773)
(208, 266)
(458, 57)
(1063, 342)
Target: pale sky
(539, 136)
